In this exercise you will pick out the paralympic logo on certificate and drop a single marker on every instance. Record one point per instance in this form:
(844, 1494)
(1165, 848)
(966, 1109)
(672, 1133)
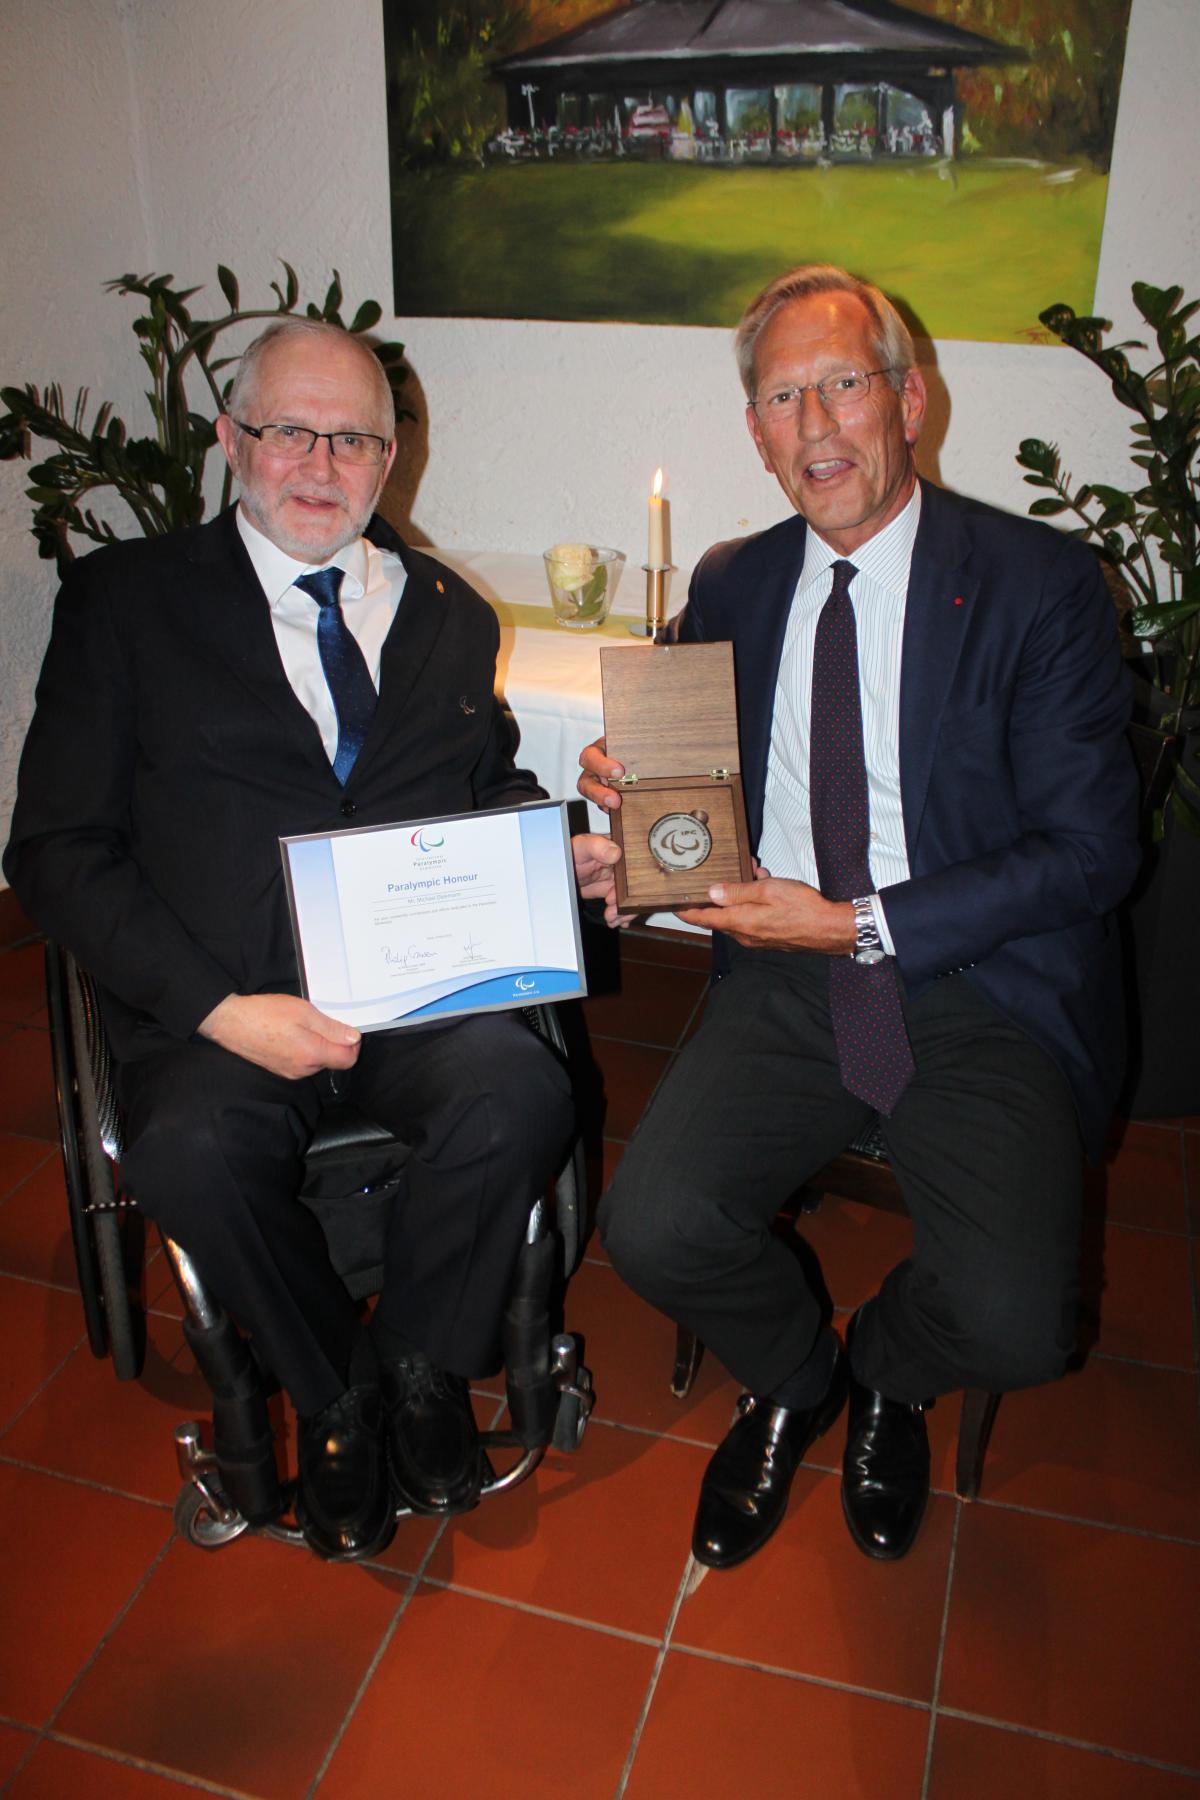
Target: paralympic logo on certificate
(399, 923)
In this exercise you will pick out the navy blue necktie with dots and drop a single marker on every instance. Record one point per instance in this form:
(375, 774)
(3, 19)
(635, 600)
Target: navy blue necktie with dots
(874, 1053)
(345, 667)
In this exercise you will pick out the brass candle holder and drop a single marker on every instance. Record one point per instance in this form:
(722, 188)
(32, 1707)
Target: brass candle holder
(655, 627)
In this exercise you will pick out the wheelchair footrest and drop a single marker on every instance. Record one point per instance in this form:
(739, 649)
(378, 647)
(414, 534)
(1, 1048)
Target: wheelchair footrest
(531, 1388)
(242, 1436)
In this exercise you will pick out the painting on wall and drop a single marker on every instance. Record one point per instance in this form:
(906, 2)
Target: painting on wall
(657, 161)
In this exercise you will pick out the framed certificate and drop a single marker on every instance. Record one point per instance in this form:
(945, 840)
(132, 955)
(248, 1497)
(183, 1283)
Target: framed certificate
(407, 924)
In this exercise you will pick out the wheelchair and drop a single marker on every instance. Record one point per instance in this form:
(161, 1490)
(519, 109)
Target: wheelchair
(353, 1171)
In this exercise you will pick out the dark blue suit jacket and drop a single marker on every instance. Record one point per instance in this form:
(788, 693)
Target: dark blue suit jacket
(1018, 788)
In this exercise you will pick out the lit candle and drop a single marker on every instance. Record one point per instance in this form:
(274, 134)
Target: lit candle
(655, 556)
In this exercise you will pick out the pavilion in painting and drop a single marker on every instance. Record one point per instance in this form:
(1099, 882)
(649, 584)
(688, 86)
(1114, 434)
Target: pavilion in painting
(774, 79)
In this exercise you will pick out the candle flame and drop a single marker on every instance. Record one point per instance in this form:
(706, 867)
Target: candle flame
(656, 490)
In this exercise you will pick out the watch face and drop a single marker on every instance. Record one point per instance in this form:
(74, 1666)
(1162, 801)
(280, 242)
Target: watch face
(680, 841)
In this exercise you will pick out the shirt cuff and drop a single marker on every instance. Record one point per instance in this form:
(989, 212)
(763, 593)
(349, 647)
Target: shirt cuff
(881, 925)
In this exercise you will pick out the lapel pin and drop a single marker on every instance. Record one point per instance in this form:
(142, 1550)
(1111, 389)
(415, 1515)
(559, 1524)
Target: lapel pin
(465, 705)
(958, 599)
(439, 587)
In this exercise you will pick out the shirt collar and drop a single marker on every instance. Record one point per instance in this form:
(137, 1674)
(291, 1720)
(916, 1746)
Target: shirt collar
(885, 559)
(277, 571)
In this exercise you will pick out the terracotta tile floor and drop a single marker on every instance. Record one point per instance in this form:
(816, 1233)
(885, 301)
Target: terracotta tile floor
(1041, 1642)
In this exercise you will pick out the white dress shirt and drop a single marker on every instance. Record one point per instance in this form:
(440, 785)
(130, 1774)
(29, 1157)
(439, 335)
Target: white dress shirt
(878, 594)
(371, 592)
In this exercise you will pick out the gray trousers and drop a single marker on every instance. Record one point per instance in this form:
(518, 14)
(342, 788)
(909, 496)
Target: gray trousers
(984, 1143)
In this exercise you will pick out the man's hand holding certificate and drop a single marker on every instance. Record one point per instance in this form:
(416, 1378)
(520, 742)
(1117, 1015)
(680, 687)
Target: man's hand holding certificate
(401, 924)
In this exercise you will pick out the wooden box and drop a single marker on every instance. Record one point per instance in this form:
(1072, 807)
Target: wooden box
(670, 718)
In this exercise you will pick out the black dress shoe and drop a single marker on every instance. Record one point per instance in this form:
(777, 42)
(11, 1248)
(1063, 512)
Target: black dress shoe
(342, 1501)
(885, 1472)
(433, 1444)
(744, 1493)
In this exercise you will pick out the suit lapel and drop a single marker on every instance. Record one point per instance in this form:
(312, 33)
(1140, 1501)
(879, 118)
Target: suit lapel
(239, 623)
(942, 589)
(233, 608)
(419, 621)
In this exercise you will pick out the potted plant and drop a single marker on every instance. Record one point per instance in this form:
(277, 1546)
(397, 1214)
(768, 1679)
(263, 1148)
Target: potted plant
(161, 478)
(1148, 537)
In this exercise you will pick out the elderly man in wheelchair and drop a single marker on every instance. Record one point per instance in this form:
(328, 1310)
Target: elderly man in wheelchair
(281, 670)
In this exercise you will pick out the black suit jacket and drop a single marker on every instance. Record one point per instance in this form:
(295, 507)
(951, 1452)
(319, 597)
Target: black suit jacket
(168, 753)
(1018, 788)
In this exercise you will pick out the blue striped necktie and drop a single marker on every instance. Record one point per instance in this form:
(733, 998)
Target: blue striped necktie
(345, 666)
(874, 1053)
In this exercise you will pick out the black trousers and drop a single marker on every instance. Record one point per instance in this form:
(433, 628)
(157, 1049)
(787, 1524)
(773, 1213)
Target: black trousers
(215, 1152)
(985, 1146)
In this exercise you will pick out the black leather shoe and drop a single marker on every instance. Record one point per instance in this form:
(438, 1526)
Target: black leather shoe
(433, 1445)
(885, 1473)
(744, 1493)
(342, 1501)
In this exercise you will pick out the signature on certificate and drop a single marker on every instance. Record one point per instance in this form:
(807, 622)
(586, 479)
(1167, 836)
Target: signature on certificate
(410, 958)
(473, 952)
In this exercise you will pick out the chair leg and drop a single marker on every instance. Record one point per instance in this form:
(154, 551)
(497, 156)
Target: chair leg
(974, 1429)
(688, 1351)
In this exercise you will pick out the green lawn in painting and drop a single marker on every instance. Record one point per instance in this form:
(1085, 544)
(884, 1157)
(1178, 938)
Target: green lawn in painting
(974, 249)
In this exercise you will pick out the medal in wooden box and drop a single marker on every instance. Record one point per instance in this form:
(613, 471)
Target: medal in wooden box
(670, 719)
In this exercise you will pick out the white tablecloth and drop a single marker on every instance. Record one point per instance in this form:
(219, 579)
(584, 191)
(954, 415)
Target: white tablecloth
(551, 677)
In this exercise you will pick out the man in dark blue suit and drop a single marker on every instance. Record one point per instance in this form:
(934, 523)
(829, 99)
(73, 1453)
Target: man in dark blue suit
(932, 712)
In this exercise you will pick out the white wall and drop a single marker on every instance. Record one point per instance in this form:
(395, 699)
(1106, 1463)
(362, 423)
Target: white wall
(146, 132)
(70, 217)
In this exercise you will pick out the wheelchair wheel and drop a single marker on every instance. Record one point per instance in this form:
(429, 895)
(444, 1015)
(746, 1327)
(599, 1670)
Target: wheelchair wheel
(125, 1323)
(198, 1524)
(107, 1239)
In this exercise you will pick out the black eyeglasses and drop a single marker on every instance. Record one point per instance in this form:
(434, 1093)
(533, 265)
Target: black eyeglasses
(292, 442)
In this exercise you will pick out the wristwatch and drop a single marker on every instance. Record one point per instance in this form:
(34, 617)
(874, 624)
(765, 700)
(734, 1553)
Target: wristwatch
(867, 947)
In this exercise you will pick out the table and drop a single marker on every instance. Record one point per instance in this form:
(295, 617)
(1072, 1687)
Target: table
(548, 674)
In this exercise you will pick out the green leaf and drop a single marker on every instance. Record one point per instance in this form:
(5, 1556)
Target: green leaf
(1113, 497)
(591, 600)
(1155, 304)
(1034, 454)
(1058, 318)
(1155, 621)
(1046, 509)
(1172, 340)
(367, 316)
(333, 298)
(1183, 811)
(229, 285)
